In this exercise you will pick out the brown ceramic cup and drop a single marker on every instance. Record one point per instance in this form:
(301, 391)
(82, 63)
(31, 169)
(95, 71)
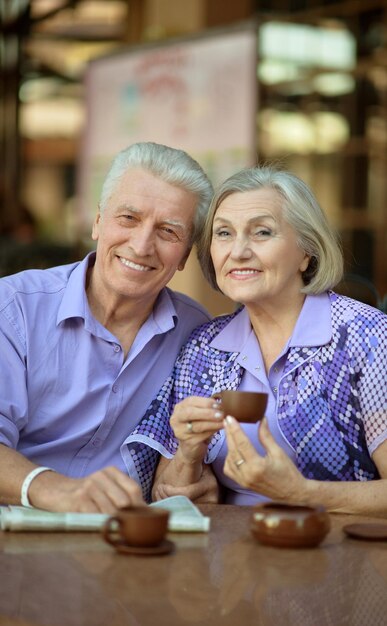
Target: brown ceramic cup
(138, 526)
(245, 406)
(289, 526)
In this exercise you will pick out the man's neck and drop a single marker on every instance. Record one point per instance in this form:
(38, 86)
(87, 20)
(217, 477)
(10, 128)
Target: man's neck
(122, 316)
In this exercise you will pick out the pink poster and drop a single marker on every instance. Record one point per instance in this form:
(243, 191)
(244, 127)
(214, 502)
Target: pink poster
(198, 94)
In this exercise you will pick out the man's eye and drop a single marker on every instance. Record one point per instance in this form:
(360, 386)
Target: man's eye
(169, 234)
(125, 218)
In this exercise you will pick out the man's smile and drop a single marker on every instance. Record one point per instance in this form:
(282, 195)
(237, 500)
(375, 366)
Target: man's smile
(134, 266)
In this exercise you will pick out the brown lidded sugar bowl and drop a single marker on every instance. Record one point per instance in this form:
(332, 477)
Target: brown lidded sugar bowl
(245, 406)
(137, 526)
(289, 526)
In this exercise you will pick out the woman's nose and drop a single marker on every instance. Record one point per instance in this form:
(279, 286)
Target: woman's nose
(241, 248)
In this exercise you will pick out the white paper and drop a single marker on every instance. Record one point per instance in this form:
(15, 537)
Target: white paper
(184, 517)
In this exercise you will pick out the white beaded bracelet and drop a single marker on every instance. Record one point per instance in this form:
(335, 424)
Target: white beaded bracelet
(27, 481)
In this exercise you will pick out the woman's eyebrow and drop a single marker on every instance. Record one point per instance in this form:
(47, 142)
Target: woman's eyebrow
(252, 220)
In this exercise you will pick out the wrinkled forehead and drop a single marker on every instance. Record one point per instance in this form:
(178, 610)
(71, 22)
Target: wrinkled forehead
(262, 199)
(142, 191)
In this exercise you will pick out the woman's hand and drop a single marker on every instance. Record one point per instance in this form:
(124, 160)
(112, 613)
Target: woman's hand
(273, 475)
(194, 421)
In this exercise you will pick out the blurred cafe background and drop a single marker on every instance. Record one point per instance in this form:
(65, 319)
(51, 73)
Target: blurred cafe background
(301, 83)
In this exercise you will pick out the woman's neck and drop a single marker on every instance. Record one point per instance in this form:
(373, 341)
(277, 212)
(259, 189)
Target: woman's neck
(273, 326)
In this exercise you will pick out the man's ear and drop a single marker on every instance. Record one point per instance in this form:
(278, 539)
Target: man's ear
(183, 261)
(95, 228)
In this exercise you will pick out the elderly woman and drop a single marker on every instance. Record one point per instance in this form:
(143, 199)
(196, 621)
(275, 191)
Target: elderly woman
(320, 356)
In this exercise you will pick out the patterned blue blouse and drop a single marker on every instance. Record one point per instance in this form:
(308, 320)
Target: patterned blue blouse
(331, 403)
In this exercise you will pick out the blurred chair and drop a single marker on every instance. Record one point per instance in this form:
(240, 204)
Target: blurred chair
(362, 289)
(16, 256)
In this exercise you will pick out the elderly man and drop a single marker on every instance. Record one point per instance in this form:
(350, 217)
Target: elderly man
(85, 347)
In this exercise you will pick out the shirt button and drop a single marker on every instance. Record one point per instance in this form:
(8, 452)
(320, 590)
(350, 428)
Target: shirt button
(244, 358)
(257, 368)
(115, 388)
(275, 389)
(116, 348)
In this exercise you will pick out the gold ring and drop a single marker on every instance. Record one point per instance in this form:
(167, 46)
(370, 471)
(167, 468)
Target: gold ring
(239, 462)
(189, 427)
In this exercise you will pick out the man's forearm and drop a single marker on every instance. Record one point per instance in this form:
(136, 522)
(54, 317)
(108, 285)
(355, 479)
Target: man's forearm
(104, 491)
(179, 477)
(178, 472)
(14, 467)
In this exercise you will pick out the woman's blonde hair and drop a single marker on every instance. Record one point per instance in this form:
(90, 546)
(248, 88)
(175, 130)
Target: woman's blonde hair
(301, 210)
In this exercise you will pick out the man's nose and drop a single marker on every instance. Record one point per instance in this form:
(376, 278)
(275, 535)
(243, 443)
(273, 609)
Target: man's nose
(143, 241)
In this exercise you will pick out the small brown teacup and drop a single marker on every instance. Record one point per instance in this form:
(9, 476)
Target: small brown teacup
(245, 406)
(138, 526)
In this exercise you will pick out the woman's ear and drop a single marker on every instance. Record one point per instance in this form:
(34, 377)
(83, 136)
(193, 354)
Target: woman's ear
(305, 263)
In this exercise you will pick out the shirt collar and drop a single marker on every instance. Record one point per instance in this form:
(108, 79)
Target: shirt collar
(313, 327)
(233, 337)
(164, 314)
(74, 302)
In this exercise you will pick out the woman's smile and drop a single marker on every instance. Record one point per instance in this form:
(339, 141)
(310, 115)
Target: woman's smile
(243, 273)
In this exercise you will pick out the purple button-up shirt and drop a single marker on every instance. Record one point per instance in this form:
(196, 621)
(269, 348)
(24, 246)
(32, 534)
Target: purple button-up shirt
(67, 395)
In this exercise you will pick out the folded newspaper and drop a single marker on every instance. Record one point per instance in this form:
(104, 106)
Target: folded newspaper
(184, 517)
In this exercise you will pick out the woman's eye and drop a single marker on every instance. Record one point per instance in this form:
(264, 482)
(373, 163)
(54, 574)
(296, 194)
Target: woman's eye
(221, 233)
(263, 232)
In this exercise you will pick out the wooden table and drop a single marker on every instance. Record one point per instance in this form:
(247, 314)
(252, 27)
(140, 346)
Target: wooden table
(224, 577)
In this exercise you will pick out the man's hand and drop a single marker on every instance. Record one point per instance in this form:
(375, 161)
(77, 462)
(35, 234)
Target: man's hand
(102, 492)
(205, 490)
